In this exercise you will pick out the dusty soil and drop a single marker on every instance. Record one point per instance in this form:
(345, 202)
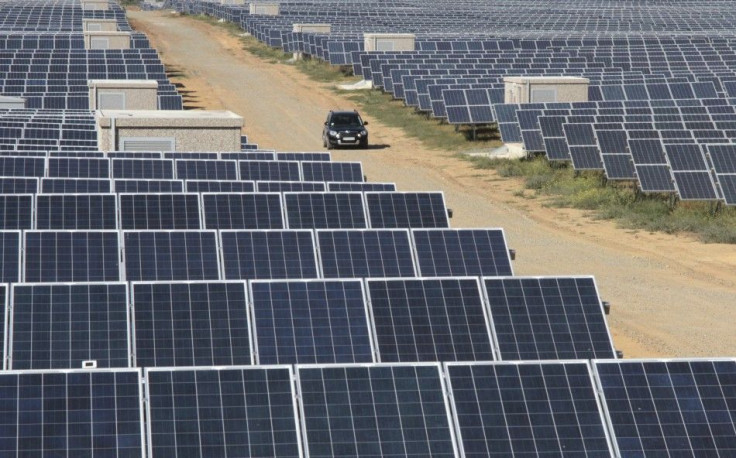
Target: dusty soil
(671, 296)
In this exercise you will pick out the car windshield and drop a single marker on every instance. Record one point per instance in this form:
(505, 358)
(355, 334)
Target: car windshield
(346, 120)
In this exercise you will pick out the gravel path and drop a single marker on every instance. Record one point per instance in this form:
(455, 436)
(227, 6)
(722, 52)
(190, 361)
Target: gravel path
(671, 296)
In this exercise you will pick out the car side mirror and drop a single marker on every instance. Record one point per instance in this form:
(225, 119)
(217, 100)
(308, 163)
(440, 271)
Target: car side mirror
(365, 123)
(325, 123)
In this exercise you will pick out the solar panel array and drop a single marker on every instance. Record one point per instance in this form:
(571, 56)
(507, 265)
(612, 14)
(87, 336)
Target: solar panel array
(264, 303)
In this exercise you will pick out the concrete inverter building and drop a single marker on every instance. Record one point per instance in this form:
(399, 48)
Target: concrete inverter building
(545, 89)
(123, 94)
(175, 130)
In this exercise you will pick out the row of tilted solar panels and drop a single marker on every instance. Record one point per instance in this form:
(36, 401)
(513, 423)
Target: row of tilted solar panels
(150, 255)
(556, 408)
(184, 324)
(261, 210)
(258, 154)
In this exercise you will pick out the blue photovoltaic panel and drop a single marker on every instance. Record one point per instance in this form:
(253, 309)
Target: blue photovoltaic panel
(365, 253)
(74, 185)
(148, 186)
(190, 324)
(670, 408)
(219, 186)
(72, 414)
(723, 158)
(242, 211)
(16, 211)
(327, 210)
(312, 321)
(272, 254)
(58, 326)
(10, 256)
(14, 166)
(159, 211)
(332, 171)
(374, 410)
(433, 319)
(222, 412)
(461, 252)
(171, 255)
(290, 186)
(143, 169)
(76, 211)
(548, 318)
(66, 256)
(406, 209)
(206, 170)
(316, 156)
(270, 171)
(67, 167)
(10, 185)
(527, 409)
(249, 155)
(361, 187)
(693, 179)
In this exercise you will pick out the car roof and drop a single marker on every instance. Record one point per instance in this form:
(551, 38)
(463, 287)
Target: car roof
(344, 112)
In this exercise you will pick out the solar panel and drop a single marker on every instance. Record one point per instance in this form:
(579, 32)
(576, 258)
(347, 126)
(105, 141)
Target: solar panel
(290, 186)
(190, 324)
(327, 210)
(309, 156)
(219, 186)
(548, 318)
(651, 166)
(269, 254)
(365, 253)
(406, 209)
(76, 211)
(159, 211)
(171, 255)
(361, 187)
(59, 326)
(527, 409)
(10, 256)
(16, 211)
(432, 319)
(206, 170)
(67, 167)
(72, 413)
(670, 408)
(332, 171)
(723, 159)
(242, 211)
(64, 256)
(310, 321)
(226, 411)
(691, 172)
(461, 252)
(270, 171)
(9, 185)
(74, 185)
(11, 166)
(148, 186)
(374, 410)
(143, 169)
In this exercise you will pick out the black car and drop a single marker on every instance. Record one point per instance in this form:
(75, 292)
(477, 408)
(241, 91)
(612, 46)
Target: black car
(344, 128)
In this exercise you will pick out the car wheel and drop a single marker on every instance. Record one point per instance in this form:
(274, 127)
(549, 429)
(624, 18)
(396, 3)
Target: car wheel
(364, 143)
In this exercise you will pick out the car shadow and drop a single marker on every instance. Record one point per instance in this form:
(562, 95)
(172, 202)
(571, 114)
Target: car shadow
(369, 147)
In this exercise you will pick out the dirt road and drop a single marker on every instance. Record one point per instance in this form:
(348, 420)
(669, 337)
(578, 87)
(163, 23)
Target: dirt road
(671, 296)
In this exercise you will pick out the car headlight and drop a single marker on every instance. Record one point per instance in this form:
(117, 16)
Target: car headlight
(363, 132)
(332, 133)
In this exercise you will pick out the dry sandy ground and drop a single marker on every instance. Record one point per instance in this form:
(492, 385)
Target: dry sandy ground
(671, 296)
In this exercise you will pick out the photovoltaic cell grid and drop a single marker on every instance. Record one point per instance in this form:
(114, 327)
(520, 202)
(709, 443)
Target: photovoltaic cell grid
(365, 253)
(406, 209)
(271, 254)
(270, 171)
(651, 166)
(58, 326)
(10, 185)
(67, 167)
(72, 414)
(313, 321)
(670, 408)
(191, 324)
(71, 256)
(148, 186)
(159, 211)
(723, 159)
(16, 211)
(548, 318)
(171, 255)
(234, 412)
(76, 211)
(332, 171)
(201, 186)
(691, 172)
(329, 210)
(242, 211)
(10, 256)
(374, 410)
(206, 170)
(461, 252)
(425, 320)
(74, 185)
(527, 409)
(291, 186)
(143, 169)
